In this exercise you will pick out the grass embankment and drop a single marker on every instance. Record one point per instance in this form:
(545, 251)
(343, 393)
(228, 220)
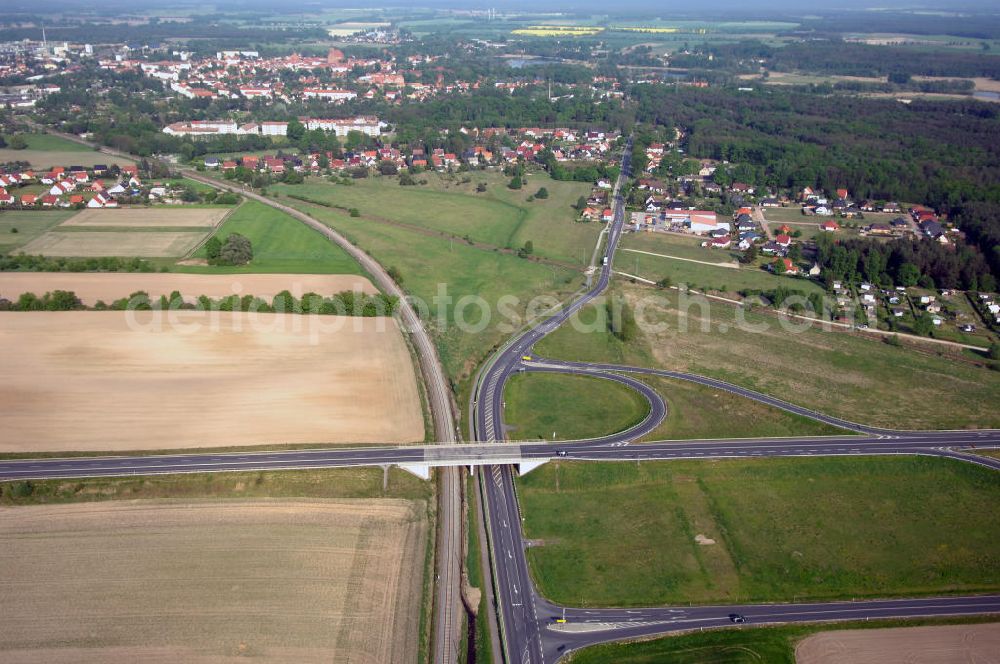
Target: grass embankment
(483, 645)
(568, 407)
(334, 483)
(842, 374)
(774, 645)
(280, 244)
(624, 534)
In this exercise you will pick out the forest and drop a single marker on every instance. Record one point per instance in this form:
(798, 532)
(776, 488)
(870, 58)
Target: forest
(904, 262)
(854, 59)
(942, 154)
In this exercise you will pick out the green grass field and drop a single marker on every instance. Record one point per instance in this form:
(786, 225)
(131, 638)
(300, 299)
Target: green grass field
(432, 265)
(697, 275)
(49, 142)
(774, 645)
(499, 216)
(680, 246)
(623, 534)
(280, 244)
(30, 224)
(859, 379)
(696, 411)
(539, 405)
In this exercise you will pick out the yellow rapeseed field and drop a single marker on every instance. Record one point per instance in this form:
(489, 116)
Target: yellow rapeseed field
(558, 31)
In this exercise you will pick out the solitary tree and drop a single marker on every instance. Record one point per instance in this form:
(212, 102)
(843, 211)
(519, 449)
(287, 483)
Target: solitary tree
(212, 248)
(236, 250)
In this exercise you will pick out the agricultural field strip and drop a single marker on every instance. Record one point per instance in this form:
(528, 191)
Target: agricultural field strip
(150, 217)
(125, 244)
(333, 385)
(385, 532)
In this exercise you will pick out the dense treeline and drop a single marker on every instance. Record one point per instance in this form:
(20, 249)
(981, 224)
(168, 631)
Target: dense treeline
(904, 262)
(30, 263)
(969, 24)
(981, 223)
(496, 108)
(57, 300)
(834, 56)
(346, 303)
(942, 154)
(854, 59)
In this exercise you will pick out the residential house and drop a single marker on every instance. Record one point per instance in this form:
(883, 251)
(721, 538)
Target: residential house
(772, 248)
(790, 267)
(931, 229)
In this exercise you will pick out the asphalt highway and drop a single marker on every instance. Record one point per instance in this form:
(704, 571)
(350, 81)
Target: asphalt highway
(527, 620)
(529, 633)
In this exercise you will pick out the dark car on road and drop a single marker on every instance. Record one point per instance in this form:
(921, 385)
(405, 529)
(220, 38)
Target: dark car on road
(737, 618)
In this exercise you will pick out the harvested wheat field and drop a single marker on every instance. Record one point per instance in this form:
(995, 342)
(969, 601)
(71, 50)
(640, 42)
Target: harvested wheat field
(128, 244)
(108, 286)
(49, 158)
(115, 381)
(270, 580)
(944, 644)
(150, 217)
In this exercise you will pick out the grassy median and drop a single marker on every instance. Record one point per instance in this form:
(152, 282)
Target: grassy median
(569, 407)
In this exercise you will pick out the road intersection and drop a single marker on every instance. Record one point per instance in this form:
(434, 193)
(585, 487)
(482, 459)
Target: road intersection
(530, 633)
(527, 619)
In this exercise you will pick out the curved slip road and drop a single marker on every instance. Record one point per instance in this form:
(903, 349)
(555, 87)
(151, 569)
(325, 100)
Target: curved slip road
(527, 619)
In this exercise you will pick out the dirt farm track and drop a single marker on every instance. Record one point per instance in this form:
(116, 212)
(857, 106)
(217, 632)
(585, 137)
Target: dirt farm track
(259, 580)
(944, 644)
(117, 381)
